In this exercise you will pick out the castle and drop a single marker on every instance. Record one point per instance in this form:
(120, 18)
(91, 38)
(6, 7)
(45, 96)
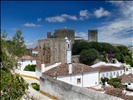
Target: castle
(53, 49)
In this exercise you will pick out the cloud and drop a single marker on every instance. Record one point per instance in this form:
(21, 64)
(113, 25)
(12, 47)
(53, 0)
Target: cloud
(81, 34)
(101, 12)
(39, 19)
(119, 30)
(61, 18)
(84, 14)
(31, 44)
(31, 25)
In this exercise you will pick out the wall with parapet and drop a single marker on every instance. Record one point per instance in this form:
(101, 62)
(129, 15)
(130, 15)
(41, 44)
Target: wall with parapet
(65, 91)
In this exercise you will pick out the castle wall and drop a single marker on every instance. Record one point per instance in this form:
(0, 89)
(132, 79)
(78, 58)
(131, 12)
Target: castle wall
(92, 35)
(52, 50)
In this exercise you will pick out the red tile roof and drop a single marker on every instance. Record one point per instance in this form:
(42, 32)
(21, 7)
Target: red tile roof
(26, 57)
(62, 69)
(127, 78)
(103, 68)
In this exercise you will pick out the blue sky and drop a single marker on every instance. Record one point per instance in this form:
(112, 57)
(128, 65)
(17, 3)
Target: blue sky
(112, 19)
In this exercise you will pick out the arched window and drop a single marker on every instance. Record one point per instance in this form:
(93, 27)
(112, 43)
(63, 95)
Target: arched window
(68, 46)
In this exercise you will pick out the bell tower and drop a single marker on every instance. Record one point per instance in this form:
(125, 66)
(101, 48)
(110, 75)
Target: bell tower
(69, 55)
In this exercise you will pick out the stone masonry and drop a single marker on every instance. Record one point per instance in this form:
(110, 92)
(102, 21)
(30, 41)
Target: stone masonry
(52, 50)
(92, 35)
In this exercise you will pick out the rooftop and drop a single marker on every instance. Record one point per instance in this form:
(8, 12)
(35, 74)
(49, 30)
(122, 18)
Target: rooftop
(62, 69)
(27, 57)
(127, 78)
(103, 68)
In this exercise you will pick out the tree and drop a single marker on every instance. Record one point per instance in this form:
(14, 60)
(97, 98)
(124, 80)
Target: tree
(12, 85)
(88, 56)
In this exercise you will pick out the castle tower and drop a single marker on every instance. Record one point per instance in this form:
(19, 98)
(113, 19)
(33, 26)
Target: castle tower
(92, 35)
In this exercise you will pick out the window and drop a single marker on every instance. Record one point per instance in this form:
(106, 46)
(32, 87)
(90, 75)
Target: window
(121, 72)
(106, 74)
(114, 73)
(102, 75)
(117, 74)
(31, 61)
(78, 80)
(129, 83)
(110, 75)
(68, 46)
(126, 69)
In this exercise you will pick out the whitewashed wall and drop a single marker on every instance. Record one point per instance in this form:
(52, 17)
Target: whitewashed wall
(25, 63)
(87, 79)
(38, 73)
(129, 86)
(111, 74)
(34, 52)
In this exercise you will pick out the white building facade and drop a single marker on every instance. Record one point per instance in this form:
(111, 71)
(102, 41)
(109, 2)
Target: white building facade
(26, 60)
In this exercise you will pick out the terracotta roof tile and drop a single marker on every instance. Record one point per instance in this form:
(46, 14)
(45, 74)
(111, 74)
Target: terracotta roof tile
(62, 69)
(127, 78)
(26, 57)
(103, 68)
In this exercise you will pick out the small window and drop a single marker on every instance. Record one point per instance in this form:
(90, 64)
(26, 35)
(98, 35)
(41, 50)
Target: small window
(102, 75)
(95, 82)
(78, 80)
(126, 69)
(31, 61)
(68, 46)
(114, 73)
(106, 74)
(129, 83)
(121, 72)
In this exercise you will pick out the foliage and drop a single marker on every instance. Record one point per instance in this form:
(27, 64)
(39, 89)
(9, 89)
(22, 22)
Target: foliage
(35, 86)
(116, 83)
(103, 80)
(88, 56)
(30, 67)
(12, 86)
(12, 49)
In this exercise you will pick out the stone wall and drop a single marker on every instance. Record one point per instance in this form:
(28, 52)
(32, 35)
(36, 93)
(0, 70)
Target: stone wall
(92, 35)
(52, 50)
(66, 91)
(75, 58)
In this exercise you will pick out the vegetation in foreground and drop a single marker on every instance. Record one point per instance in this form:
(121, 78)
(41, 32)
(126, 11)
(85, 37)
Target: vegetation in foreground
(12, 85)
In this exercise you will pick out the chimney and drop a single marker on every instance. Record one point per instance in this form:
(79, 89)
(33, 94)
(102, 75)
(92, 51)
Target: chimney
(42, 67)
(70, 68)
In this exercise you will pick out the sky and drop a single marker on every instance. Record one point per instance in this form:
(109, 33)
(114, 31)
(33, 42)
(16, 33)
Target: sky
(112, 19)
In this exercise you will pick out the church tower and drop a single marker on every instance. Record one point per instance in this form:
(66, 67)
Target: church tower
(69, 55)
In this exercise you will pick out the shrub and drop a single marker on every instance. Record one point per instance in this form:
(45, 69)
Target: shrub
(30, 67)
(35, 86)
(88, 56)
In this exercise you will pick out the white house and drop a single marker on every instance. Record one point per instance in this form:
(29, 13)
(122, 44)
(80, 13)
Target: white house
(25, 61)
(80, 74)
(109, 71)
(128, 80)
(34, 51)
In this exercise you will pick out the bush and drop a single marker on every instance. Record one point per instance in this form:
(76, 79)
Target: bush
(35, 86)
(30, 67)
(88, 56)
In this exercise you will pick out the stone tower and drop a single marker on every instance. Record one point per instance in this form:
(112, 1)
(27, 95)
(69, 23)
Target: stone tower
(92, 35)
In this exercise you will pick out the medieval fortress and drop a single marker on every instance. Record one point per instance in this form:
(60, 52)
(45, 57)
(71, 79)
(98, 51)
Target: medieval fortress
(53, 48)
